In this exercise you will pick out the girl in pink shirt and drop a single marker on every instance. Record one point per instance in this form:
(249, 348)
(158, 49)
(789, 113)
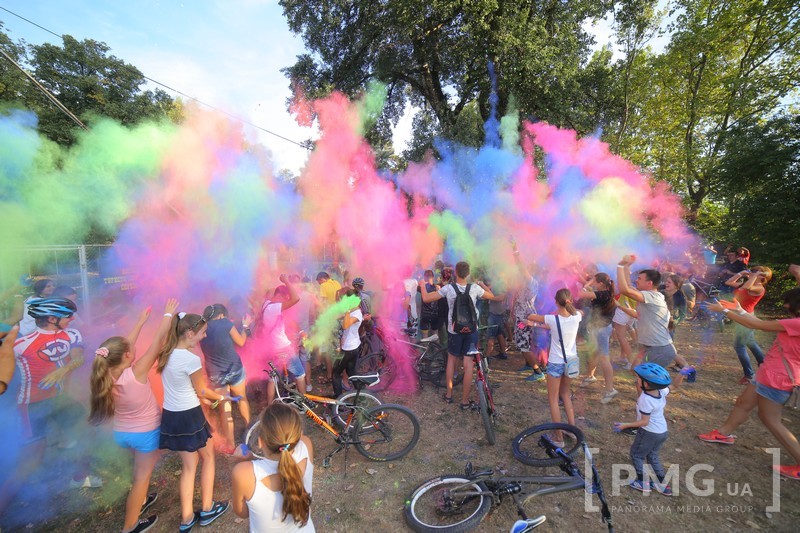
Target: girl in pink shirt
(121, 390)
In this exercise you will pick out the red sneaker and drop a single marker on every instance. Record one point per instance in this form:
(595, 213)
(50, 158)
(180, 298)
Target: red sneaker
(790, 471)
(716, 436)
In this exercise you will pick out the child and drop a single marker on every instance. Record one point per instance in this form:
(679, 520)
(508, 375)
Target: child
(351, 346)
(184, 428)
(121, 390)
(275, 493)
(563, 327)
(653, 380)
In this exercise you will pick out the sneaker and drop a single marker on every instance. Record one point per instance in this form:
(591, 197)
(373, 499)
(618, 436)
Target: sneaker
(145, 524)
(662, 488)
(471, 406)
(536, 376)
(309, 388)
(631, 432)
(217, 509)
(151, 499)
(89, 482)
(526, 368)
(588, 380)
(745, 380)
(640, 485)
(790, 471)
(607, 397)
(716, 436)
(185, 528)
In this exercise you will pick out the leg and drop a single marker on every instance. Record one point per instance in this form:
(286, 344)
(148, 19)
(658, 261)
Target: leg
(186, 484)
(490, 346)
(452, 361)
(553, 391)
(652, 457)
(565, 391)
(744, 405)
(608, 372)
(338, 368)
(739, 345)
(639, 450)
(770, 414)
(240, 390)
(466, 385)
(143, 464)
(207, 473)
(501, 340)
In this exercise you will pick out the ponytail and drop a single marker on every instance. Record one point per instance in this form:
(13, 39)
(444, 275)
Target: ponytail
(108, 356)
(608, 308)
(281, 430)
(181, 324)
(564, 299)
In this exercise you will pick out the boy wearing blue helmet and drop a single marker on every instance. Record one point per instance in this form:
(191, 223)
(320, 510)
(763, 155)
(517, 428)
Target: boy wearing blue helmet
(651, 426)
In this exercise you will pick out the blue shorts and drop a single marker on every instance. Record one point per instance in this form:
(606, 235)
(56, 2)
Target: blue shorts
(294, 365)
(774, 395)
(602, 336)
(462, 344)
(556, 370)
(302, 353)
(496, 328)
(144, 442)
(234, 377)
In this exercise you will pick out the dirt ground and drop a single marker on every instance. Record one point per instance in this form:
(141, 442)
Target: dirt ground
(371, 495)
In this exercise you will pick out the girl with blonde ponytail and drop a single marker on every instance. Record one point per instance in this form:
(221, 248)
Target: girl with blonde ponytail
(275, 493)
(121, 391)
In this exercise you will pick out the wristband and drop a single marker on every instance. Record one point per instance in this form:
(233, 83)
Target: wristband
(621, 266)
(169, 315)
(725, 311)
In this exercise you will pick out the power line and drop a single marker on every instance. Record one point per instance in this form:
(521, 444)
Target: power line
(240, 119)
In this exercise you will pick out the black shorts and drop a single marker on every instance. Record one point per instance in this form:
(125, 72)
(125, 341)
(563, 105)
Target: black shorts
(430, 322)
(60, 412)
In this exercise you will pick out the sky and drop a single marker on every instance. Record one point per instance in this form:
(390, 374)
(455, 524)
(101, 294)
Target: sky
(225, 53)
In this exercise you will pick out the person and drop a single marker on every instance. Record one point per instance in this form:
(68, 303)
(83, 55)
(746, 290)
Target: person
(120, 390)
(350, 344)
(732, 265)
(224, 367)
(279, 345)
(774, 381)
(653, 316)
(461, 345)
(525, 305)
(298, 322)
(496, 322)
(750, 288)
(600, 293)
(622, 325)
(46, 358)
(184, 428)
(328, 288)
(429, 314)
(275, 492)
(563, 326)
(676, 302)
(42, 288)
(651, 427)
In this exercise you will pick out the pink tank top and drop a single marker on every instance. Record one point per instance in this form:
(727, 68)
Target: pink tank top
(135, 407)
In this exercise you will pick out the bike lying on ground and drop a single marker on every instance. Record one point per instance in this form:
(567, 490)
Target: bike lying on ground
(458, 503)
(381, 432)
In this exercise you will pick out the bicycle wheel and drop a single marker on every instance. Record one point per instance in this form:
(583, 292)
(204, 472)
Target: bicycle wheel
(341, 413)
(439, 360)
(387, 432)
(432, 363)
(529, 448)
(486, 416)
(251, 439)
(448, 504)
(378, 363)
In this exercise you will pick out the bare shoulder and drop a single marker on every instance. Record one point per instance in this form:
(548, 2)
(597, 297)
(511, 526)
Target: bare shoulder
(309, 445)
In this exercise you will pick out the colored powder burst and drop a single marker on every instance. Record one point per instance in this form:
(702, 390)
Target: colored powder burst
(325, 326)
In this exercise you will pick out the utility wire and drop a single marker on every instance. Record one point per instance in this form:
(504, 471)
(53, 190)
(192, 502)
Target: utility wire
(240, 119)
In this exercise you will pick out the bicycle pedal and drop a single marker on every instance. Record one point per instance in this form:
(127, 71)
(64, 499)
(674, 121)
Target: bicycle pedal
(326, 463)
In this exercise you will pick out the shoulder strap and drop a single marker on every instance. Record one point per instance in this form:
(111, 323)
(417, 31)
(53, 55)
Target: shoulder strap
(455, 287)
(561, 338)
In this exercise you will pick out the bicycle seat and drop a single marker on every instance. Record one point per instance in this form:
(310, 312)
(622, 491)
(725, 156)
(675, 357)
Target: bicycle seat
(367, 380)
(432, 338)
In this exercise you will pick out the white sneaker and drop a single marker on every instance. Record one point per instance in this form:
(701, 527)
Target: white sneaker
(309, 388)
(588, 380)
(89, 482)
(607, 397)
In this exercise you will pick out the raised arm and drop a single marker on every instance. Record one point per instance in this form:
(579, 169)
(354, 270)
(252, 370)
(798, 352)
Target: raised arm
(142, 365)
(523, 270)
(428, 297)
(293, 296)
(487, 292)
(133, 336)
(623, 279)
(738, 315)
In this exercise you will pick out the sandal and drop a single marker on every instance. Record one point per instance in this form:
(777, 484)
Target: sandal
(447, 400)
(471, 406)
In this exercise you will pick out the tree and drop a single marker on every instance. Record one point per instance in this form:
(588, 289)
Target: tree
(434, 55)
(12, 83)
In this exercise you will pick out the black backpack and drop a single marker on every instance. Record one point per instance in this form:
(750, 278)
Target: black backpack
(465, 319)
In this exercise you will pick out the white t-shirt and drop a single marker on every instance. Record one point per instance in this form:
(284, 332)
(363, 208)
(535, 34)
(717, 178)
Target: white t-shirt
(648, 405)
(569, 327)
(266, 506)
(410, 286)
(272, 323)
(350, 338)
(475, 292)
(179, 393)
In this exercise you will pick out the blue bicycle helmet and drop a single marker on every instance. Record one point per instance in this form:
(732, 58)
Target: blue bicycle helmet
(654, 375)
(358, 282)
(55, 307)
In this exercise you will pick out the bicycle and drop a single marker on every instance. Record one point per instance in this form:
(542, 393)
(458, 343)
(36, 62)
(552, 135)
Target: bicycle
(458, 503)
(703, 316)
(483, 390)
(380, 432)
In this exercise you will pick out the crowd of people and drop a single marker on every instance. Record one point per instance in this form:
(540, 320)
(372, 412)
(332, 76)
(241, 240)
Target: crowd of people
(202, 361)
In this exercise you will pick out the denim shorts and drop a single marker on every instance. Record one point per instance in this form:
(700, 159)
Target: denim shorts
(145, 442)
(774, 395)
(556, 370)
(293, 363)
(602, 336)
(462, 344)
(234, 377)
(496, 328)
